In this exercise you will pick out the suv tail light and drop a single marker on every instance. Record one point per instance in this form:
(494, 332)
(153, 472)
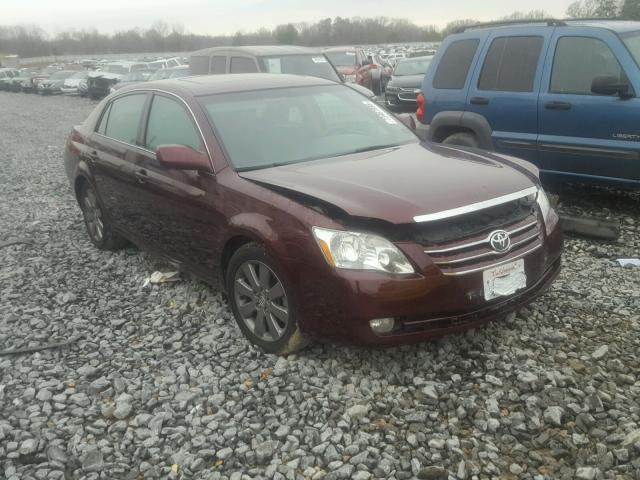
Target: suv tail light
(421, 107)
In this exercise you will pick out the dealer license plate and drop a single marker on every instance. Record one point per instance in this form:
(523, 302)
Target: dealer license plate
(504, 280)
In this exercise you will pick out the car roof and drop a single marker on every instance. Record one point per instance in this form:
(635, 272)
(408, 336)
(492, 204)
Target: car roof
(618, 26)
(409, 59)
(243, 82)
(258, 50)
(615, 25)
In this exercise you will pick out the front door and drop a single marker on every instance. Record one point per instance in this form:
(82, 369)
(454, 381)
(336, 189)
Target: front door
(179, 206)
(582, 133)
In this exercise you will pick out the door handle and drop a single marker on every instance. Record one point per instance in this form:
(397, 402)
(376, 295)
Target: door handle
(479, 101)
(554, 105)
(142, 175)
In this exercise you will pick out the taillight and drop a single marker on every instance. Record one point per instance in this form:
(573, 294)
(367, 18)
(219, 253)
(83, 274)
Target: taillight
(421, 106)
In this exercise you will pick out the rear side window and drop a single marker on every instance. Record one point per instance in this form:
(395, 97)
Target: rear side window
(455, 63)
(578, 60)
(243, 65)
(124, 118)
(218, 65)
(199, 65)
(170, 124)
(511, 64)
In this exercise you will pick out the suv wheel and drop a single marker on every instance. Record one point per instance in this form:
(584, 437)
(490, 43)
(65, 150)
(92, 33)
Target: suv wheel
(262, 302)
(100, 232)
(462, 139)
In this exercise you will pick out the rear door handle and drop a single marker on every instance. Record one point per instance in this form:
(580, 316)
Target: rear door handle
(479, 101)
(142, 175)
(554, 105)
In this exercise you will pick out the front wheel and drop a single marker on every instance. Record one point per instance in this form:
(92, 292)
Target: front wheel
(262, 301)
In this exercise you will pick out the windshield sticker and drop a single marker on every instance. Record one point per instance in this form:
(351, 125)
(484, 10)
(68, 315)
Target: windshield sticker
(319, 60)
(273, 65)
(380, 112)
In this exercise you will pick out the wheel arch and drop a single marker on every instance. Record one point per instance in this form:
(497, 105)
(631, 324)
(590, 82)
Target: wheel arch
(450, 122)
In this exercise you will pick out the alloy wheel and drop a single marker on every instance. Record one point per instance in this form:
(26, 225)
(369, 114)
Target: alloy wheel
(93, 216)
(261, 300)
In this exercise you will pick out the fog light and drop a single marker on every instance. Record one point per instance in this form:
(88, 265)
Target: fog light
(382, 325)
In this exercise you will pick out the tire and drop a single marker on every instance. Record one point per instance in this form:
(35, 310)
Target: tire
(100, 232)
(262, 301)
(462, 139)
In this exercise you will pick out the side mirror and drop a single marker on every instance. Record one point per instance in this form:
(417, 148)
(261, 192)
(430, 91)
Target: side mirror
(407, 120)
(179, 157)
(610, 85)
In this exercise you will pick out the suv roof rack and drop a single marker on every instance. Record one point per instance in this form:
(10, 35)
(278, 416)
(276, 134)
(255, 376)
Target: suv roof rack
(551, 22)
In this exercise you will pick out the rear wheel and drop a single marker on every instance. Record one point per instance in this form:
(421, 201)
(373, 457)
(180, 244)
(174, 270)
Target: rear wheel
(462, 139)
(100, 232)
(262, 301)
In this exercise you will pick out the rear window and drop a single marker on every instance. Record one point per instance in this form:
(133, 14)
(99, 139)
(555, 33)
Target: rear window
(455, 63)
(315, 65)
(511, 64)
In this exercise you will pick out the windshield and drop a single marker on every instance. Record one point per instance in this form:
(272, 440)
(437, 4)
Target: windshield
(313, 65)
(115, 69)
(412, 67)
(291, 125)
(342, 59)
(632, 41)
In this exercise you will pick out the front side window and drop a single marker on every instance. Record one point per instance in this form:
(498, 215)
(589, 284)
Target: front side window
(511, 64)
(306, 64)
(243, 65)
(124, 118)
(578, 60)
(170, 124)
(455, 63)
(291, 125)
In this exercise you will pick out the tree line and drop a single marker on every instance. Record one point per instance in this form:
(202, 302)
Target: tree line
(32, 41)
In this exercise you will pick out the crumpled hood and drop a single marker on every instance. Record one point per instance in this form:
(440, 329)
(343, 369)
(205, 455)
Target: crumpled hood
(399, 183)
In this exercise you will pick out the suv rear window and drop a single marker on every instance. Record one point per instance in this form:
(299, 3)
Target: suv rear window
(454, 65)
(511, 64)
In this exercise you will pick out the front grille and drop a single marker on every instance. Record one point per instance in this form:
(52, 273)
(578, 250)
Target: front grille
(474, 253)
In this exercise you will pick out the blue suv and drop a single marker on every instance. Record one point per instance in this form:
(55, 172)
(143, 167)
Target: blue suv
(561, 94)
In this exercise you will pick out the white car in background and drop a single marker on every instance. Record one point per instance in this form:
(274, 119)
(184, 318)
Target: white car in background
(71, 84)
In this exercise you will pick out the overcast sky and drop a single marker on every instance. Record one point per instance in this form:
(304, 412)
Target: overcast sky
(229, 16)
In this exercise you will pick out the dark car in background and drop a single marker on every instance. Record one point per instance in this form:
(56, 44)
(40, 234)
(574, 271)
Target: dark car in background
(6, 74)
(356, 67)
(131, 78)
(405, 84)
(54, 83)
(161, 74)
(316, 209)
(267, 59)
(99, 82)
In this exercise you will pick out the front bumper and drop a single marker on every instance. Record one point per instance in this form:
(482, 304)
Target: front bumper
(399, 102)
(340, 303)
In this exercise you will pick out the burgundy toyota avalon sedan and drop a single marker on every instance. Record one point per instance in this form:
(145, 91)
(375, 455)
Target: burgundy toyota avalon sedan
(317, 211)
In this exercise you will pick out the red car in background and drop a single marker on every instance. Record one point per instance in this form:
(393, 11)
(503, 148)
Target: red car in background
(356, 67)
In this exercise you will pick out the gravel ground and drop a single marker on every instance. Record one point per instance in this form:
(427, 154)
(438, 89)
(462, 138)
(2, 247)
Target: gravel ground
(161, 384)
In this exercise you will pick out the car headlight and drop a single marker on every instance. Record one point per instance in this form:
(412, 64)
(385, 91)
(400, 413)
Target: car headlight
(361, 251)
(548, 213)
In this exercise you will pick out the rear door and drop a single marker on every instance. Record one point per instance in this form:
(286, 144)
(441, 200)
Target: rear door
(504, 88)
(582, 133)
(112, 153)
(177, 206)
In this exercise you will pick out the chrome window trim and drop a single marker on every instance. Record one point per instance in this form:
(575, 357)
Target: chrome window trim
(474, 207)
(193, 117)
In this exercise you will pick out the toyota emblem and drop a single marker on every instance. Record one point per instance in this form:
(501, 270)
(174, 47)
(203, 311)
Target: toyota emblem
(500, 241)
